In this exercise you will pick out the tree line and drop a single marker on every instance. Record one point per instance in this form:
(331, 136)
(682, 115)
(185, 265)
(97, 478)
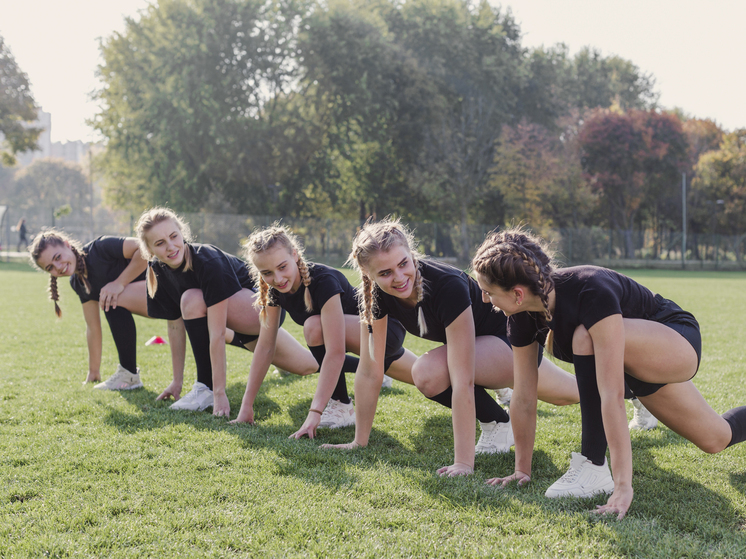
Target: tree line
(430, 109)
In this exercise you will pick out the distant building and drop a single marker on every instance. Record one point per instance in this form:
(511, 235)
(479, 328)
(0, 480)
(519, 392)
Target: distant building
(75, 151)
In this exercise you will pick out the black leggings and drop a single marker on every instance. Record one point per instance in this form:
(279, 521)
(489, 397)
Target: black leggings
(124, 332)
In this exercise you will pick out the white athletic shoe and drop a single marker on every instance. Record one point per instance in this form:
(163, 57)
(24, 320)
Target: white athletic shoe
(504, 395)
(338, 415)
(388, 382)
(583, 479)
(642, 420)
(282, 372)
(122, 379)
(197, 399)
(496, 438)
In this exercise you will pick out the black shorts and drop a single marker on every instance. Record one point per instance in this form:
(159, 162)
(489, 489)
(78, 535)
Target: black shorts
(395, 334)
(683, 322)
(248, 338)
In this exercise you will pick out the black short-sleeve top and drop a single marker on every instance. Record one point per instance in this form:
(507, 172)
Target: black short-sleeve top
(448, 293)
(105, 261)
(326, 282)
(217, 274)
(584, 295)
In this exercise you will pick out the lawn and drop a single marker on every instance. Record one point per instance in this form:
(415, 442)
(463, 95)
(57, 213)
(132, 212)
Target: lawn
(106, 474)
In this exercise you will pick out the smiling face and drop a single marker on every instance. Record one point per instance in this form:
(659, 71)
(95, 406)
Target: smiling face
(278, 267)
(394, 272)
(166, 243)
(503, 300)
(58, 260)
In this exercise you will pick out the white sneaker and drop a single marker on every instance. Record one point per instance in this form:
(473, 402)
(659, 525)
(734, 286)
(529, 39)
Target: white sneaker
(336, 415)
(496, 438)
(583, 479)
(199, 398)
(282, 372)
(642, 420)
(122, 379)
(504, 395)
(388, 382)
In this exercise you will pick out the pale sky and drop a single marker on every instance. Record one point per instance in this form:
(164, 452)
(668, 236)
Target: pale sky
(693, 48)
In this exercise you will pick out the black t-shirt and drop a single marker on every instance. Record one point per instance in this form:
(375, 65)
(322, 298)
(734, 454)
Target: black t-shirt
(217, 274)
(584, 295)
(448, 293)
(105, 261)
(325, 283)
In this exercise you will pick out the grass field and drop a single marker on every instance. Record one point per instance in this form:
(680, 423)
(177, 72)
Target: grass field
(91, 474)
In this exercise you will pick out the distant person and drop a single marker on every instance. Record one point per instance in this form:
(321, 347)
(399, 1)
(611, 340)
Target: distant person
(438, 302)
(214, 294)
(22, 241)
(322, 300)
(612, 329)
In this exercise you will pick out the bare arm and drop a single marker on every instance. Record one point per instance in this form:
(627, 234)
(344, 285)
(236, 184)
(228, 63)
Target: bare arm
(333, 328)
(177, 341)
(608, 347)
(93, 338)
(264, 353)
(217, 316)
(368, 380)
(111, 291)
(461, 356)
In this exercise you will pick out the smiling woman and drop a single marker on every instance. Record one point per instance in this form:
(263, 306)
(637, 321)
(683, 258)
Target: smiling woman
(214, 294)
(107, 273)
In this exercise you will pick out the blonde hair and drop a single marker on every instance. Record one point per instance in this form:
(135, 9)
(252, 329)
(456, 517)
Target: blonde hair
(52, 238)
(372, 238)
(149, 219)
(515, 257)
(263, 240)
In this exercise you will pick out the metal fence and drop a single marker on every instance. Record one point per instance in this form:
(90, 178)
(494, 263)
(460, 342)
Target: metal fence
(328, 240)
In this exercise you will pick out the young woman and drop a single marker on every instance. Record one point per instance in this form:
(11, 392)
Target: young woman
(441, 303)
(612, 329)
(109, 274)
(322, 300)
(211, 290)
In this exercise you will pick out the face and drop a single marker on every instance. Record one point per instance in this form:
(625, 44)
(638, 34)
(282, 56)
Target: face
(166, 243)
(58, 260)
(502, 300)
(279, 268)
(394, 272)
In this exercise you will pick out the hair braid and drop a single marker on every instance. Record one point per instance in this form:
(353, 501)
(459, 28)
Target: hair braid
(81, 270)
(419, 289)
(366, 302)
(262, 301)
(54, 295)
(305, 277)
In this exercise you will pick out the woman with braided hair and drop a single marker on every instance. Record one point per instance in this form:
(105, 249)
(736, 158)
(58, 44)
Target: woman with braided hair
(322, 300)
(438, 302)
(214, 294)
(613, 330)
(106, 273)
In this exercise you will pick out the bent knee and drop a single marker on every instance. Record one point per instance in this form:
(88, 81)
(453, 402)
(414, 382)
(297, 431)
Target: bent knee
(582, 344)
(193, 304)
(312, 331)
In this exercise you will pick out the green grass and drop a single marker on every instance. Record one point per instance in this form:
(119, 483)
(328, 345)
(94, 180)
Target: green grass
(91, 474)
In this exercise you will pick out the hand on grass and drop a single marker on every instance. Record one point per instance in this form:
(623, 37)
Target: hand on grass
(520, 478)
(346, 446)
(308, 428)
(245, 415)
(109, 294)
(221, 407)
(456, 469)
(172, 391)
(92, 377)
(618, 504)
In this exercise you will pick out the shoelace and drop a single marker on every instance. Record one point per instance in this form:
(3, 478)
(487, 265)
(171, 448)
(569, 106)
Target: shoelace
(571, 475)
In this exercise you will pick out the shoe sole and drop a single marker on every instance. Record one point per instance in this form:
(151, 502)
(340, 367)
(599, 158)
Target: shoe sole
(604, 491)
(171, 407)
(491, 450)
(134, 386)
(337, 426)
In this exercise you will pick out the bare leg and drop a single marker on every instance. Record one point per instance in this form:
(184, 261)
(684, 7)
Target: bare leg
(556, 386)
(134, 298)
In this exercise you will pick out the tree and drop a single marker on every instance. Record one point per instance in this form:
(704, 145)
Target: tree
(17, 107)
(631, 159)
(49, 184)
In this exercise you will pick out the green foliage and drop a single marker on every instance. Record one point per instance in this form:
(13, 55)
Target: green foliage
(16, 108)
(51, 184)
(117, 474)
